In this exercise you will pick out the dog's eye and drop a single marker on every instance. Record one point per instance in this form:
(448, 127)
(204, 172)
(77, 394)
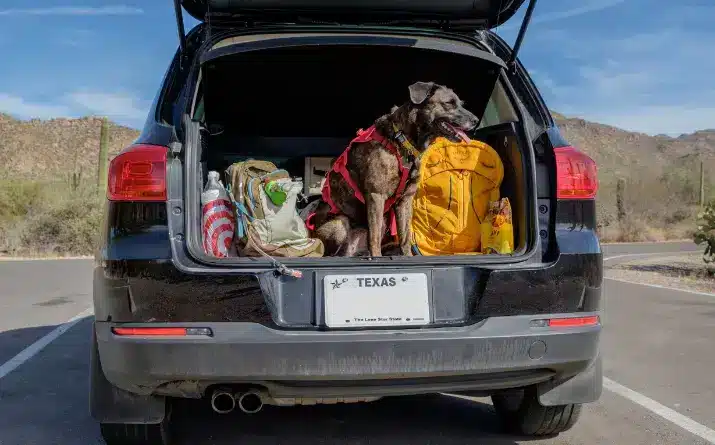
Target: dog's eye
(453, 103)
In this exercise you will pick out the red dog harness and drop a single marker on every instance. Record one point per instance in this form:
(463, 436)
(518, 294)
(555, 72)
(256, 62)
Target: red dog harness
(340, 167)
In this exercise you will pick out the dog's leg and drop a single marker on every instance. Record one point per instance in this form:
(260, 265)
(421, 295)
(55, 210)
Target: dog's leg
(403, 214)
(356, 243)
(375, 210)
(334, 234)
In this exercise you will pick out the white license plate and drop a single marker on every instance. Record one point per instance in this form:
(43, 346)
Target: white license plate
(376, 300)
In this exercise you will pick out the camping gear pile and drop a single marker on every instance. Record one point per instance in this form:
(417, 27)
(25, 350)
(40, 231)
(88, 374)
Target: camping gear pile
(457, 210)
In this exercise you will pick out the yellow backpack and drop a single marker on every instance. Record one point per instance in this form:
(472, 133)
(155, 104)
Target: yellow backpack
(457, 182)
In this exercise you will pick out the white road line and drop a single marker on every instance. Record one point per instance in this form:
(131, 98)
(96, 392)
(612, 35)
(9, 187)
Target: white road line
(627, 255)
(663, 411)
(32, 350)
(674, 289)
(640, 243)
(24, 259)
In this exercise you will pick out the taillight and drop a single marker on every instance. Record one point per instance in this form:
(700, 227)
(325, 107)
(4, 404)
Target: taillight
(161, 332)
(138, 174)
(566, 322)
(574, 322)
(576, 174)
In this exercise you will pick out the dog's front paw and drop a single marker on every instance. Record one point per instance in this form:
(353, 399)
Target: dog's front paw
(406, 251)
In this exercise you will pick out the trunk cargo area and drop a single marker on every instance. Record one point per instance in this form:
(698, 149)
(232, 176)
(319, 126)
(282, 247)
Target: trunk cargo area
(299, 106)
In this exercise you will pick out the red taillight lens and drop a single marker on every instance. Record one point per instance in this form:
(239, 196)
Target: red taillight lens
(138, 174)
(162, 332)
(574, 322)
(576, 174)
(143, 332)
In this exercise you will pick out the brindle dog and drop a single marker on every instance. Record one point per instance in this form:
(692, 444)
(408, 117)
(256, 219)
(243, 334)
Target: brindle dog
(433, 110)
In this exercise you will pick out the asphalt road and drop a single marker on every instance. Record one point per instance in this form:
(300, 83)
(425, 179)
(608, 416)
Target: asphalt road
(657, 345)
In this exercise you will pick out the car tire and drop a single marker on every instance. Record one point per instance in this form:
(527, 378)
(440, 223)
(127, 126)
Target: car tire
(135, 434)
(521, 413)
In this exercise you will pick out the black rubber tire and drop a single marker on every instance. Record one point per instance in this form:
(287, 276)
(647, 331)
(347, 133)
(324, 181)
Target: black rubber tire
(529, 418)
(132, 434)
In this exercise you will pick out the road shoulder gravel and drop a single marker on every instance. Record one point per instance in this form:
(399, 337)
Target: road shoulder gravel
(684, 272)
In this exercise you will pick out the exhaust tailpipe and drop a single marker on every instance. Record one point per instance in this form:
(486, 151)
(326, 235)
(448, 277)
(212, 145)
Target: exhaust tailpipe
(222, 401)
(250, 402)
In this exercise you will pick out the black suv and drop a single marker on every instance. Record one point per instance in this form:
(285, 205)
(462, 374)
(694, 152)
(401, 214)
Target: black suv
(291, 81)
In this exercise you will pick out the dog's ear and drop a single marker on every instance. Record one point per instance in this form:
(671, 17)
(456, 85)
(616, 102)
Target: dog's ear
(420, 91)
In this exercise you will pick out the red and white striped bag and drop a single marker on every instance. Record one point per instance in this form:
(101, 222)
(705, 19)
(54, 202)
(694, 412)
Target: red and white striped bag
(218, 220)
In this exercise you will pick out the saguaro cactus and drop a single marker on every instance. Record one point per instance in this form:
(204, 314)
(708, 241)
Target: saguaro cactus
(103, 156)
(620, 199)
(76, 180)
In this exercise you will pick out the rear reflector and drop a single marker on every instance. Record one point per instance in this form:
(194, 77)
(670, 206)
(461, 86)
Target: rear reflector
(161, 332)
(138, 174)
(574, 322)
(576, 174)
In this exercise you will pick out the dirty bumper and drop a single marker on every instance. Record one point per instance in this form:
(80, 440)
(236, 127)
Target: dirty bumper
(500, 352)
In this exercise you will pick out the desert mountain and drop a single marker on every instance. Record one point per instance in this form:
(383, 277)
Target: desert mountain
(38, 149)
(47, 149)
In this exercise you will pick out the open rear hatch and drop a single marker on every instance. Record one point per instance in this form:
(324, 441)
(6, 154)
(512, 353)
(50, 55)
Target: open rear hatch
(290, 100)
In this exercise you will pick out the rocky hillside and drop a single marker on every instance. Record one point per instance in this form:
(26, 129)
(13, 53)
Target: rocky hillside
(50, 149)
(617, 151)
(661, 174)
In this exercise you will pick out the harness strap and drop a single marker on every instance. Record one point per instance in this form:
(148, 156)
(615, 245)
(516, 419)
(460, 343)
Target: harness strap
(340, 167)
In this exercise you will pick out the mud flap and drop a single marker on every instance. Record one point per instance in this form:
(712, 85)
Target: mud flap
(584, 387)
(109, 404)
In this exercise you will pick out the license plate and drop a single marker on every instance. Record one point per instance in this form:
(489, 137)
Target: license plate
(376, 300)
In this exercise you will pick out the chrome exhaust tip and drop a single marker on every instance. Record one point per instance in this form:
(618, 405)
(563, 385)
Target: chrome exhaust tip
(250, 402)
(222, 401)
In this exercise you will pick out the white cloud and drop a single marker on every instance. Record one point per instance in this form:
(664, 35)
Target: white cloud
(585, 8)
(626, 81)
(121, 107)
(113, 105)
(610, 81)
(672, 120)
(74, 10)
(17, 106)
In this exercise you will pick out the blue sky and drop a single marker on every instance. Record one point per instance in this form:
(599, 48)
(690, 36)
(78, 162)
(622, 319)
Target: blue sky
(643, 65)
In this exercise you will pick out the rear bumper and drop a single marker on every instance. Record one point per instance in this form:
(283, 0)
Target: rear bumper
(497, 353)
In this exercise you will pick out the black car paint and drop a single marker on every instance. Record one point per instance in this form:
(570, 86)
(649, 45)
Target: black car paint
(137, 279)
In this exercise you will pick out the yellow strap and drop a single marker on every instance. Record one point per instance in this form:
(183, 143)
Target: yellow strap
(405, 142)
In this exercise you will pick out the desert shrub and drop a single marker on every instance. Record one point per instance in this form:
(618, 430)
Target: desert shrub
(705, 232)
(48, 218)
(18, 197)
(67, 227)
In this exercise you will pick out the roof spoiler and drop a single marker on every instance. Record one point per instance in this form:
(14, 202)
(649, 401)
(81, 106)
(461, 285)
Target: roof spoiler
(511, 63)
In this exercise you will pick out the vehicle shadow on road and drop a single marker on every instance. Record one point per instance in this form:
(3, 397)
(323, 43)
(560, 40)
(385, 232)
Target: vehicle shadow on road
(442, 420)
(45, 399)
(15, 340)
